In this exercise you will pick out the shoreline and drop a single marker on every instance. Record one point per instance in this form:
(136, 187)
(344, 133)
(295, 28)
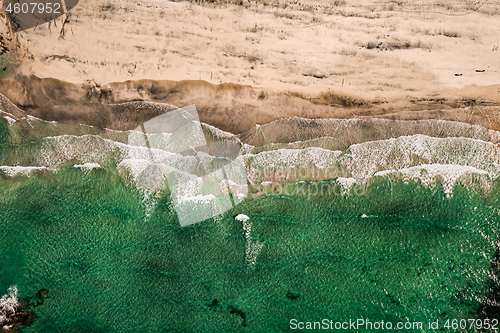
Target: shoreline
(230, 107)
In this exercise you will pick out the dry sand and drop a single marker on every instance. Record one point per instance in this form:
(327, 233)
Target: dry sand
(257, 61)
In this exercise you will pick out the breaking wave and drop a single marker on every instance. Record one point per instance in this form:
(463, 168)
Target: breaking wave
(148, 157)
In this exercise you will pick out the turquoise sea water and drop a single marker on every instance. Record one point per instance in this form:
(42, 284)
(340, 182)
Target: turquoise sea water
(399, 253)
(417, 256)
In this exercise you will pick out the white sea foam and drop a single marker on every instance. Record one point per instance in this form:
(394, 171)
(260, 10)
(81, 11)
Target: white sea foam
(281, 160)
(147, 157)
(10, 121)
(8, 304)
(319, 157)
(365, 159)
(226, 185)
(252, 250)
(449, 174)
(246, 149)
(240, 196)
(218, 133)
(149, 175)
(94, 149)
(346, 182)
(32, 121)
(12, 171)
(207, 198)
(454, 159)
(87, 166)
(361, 160)
(201, 196)
(252, 247)
(242, 217)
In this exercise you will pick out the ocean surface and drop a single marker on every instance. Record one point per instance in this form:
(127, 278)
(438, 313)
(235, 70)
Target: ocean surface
(399, 252)
(114, 257)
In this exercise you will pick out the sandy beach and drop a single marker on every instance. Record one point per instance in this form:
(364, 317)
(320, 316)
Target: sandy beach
(250, 63)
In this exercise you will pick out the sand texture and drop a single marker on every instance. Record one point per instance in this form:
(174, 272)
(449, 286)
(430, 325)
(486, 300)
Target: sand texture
(253, 62)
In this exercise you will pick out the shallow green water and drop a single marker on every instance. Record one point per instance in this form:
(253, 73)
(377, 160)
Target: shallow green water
(418, 256)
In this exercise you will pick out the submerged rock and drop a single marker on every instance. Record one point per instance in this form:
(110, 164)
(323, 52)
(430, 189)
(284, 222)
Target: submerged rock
(15, 313)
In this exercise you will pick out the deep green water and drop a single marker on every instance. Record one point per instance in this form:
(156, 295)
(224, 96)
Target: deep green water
(418, 256)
